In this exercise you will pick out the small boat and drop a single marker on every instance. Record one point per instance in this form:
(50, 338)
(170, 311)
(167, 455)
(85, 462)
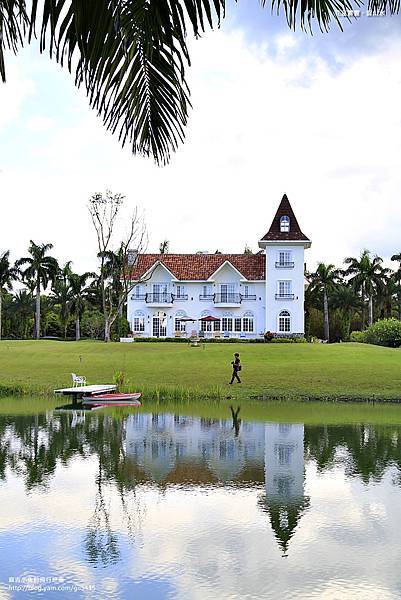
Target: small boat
(112, 399)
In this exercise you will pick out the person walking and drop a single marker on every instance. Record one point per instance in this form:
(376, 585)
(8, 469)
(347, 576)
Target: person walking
(236, 363)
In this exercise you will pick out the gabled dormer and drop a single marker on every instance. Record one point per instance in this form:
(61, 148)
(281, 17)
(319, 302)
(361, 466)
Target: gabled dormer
(284, 227)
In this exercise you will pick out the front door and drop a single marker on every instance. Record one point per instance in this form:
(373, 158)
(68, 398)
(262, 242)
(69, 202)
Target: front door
(160, 325)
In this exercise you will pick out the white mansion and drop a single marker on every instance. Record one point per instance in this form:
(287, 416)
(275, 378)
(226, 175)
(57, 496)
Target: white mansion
(240, 295)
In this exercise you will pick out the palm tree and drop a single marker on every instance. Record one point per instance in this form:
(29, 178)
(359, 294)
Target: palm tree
(346, 300)
(131, 55)
(24, 308)
(397, 281)
(40, 270)
(325, 280)
(78, 302)
(8, 274)
(365, 275)
(62, 295)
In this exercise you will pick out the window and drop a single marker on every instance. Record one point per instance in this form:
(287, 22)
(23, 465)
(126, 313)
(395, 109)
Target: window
(227, 323)
(284, 287)
(206, 291)
(248, 291)
(284, 322)
(138, 292)
(178, 324)
(179, 291)
(284, 257)
(138, 322)
(248, 322)
(160, 292)
(285, 224)
(237, 324)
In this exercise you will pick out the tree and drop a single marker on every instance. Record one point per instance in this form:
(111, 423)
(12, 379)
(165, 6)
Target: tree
(8, 274)
(78, 302)
(62, 295)
(131, 56)
(40, 270)
(397, 281)
(24, 308)
(324, 279)
(164, 247)
(365, 275)
(104, 210)
(346, 300)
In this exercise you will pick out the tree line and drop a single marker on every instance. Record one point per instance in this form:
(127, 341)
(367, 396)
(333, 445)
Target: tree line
(351, 298)
(41, 298)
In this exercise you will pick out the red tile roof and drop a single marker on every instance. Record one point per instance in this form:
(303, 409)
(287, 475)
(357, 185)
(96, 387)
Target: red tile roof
(295, 233)
(193, 267)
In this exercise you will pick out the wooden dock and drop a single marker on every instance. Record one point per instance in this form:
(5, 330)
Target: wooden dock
(77, 392)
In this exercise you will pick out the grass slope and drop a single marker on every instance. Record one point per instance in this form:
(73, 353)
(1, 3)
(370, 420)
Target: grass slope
(272, 370)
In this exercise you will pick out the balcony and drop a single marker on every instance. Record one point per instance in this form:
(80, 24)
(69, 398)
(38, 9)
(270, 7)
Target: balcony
(227, 299)
(285, 296)
(206, 297)
(161, 299)
(285, 265)
(139, 297)
(180, 298)
(248, 297)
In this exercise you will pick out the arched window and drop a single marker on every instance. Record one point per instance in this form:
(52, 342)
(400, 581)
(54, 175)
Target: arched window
(248, 322)
(138, 322)
(285, 224)
(284, 322)
(179, 325)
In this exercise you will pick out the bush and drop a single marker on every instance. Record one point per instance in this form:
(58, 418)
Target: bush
(386, 332)
(288, 340)
(358, 336)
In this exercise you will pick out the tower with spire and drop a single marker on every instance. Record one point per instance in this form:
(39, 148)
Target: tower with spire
(284, 245)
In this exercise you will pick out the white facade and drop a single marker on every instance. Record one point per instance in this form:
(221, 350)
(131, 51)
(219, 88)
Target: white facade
(242, 307)
(285, 287)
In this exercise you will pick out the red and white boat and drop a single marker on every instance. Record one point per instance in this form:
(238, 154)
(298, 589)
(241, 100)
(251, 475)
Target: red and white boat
(112, 399)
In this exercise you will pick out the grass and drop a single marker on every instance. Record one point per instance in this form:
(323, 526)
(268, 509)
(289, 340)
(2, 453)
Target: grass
(180, 372)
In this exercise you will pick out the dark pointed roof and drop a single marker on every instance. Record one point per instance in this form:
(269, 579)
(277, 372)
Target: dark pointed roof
(284, 518)
(275, 235)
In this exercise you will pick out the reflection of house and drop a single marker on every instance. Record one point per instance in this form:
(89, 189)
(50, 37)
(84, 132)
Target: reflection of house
(160, 444)
(172, 449)
(284, 477)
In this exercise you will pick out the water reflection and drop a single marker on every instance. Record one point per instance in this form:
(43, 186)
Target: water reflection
(223, 486)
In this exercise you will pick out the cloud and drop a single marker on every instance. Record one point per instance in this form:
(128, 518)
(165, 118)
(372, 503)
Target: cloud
(263, 123)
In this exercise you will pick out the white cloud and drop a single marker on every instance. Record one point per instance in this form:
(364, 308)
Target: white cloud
(261, 126)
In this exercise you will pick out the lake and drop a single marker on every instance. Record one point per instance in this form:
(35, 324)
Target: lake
(280, 501)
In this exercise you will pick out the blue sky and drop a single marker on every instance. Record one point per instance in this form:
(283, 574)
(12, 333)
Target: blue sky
(274, 111)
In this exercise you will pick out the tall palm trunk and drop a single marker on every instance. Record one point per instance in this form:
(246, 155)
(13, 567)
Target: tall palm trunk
(77, 329)
(370, 300)
(37, 313)
(326, 315)
(107, 327)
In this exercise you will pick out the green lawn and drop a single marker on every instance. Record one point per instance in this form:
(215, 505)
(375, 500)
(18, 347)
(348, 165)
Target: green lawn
(283, 370)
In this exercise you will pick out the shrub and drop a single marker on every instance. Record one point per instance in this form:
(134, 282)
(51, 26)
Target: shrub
(289, 340)
(358, 336)
(386, 332)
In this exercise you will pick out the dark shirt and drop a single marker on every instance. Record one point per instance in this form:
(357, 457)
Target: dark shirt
(236, 363)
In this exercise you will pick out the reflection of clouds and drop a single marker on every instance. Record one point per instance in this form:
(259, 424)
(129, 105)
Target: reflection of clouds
(190, 540)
